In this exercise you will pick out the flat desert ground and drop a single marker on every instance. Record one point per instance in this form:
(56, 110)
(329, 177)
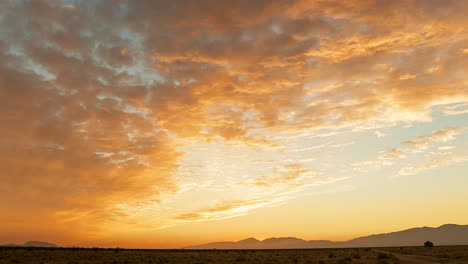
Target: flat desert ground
(415, 255)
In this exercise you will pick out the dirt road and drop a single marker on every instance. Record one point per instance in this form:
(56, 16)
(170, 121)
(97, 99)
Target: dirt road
(418, 259)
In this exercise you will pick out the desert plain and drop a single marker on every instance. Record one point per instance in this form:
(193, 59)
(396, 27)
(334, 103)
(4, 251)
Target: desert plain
(391, 255)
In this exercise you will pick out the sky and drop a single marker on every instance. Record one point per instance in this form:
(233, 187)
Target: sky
(164, 123)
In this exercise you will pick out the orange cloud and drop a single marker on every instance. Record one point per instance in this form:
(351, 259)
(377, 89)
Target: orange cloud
(95, 104)
(292, 175)
(223, 210)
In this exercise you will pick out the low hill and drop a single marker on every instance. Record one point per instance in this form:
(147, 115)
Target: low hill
(31, 244)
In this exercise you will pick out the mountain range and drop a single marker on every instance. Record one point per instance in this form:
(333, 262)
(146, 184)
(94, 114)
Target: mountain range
(31, 244)
(448, 234)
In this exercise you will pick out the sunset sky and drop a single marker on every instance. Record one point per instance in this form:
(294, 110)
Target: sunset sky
(164, 123)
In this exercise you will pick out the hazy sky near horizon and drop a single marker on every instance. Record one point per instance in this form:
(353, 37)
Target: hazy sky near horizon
(162, 123)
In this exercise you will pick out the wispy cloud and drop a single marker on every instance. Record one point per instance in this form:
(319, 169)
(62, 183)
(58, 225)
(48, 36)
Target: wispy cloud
(225, 209)
(456, 109)
(437, 160)
(292, 175)
(439, 136)
(419, 145)
(422, 143)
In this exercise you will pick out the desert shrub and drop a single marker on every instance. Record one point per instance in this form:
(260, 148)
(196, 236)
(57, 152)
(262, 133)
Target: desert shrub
(295, 260)
(345, 260)
(382, 256)
(356, 256)
(443, 255)
(394, 259)
(428, 244)
(240, 259)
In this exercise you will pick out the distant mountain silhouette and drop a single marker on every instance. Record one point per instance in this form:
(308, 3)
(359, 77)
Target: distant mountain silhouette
(31, 244)
(449, 234)
(10, 245)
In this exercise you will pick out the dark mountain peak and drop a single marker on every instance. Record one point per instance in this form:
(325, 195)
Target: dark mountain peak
(248, 240)
(276, 239)
(451, 226)
(10, 245)
(38, 244)
(31, 244)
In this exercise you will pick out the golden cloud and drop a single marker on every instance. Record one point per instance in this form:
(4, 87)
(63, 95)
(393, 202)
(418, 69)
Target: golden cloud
(223, 210)
(93, 105)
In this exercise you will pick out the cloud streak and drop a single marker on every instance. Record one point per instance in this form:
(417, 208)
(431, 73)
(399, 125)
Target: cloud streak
(225, 209)
(419, 145)
(437, 160)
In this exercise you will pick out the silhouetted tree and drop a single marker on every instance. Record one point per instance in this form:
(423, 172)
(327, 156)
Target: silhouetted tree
(428, 244)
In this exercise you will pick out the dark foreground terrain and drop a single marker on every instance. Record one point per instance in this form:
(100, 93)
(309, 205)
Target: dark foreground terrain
(442, 254)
